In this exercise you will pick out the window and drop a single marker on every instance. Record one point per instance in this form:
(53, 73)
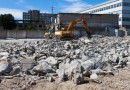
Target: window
(104, 8)
(114, 5)
(125, 19)
(111, 6)
(108, 7)
(126, 4)
(117, 12)
(119, 19)
(126, 11)
(126, 26)
(101, 9)
(119, 4)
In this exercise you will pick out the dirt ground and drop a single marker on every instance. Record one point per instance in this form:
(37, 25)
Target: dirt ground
(120, 81)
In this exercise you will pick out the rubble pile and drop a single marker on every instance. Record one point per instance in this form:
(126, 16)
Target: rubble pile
(59, 61)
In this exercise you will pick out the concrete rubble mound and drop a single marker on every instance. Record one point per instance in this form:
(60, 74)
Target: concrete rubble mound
(59, 61)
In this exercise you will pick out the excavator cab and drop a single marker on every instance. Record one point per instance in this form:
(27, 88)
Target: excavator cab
(50, 33)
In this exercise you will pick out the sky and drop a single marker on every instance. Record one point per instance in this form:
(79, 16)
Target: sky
(16, 7)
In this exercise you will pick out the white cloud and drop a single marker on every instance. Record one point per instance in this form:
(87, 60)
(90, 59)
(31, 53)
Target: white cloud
(72, 0)
(21, 1)
(15, 12)
(75, 6)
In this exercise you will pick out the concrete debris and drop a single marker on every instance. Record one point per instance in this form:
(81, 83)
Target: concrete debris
(16, 70)
(94, 78)
(5, 67)
(51, 60)
(42, 67)
(65, 60)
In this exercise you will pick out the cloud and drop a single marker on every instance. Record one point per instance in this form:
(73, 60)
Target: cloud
(72, 0)
(15, 12)
(75, 6)
(21, 1)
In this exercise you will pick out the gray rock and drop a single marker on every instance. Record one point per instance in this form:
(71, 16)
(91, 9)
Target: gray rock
(87, 65)
(94, 77)
(4, 53)
(42, 67)
(51, 60)
(78, 78)
(27, 64)
(50, 79)
(16, 70)
(67, 45)
(5, 67)
(61, 74)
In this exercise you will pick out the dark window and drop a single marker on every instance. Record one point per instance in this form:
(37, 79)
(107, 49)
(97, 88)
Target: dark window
(125, 19)
(119, 19)
(114, 5)
(111, 6)
(126, 4)
(126, 26)
(126, 11)
(119, 4)
(104, 8)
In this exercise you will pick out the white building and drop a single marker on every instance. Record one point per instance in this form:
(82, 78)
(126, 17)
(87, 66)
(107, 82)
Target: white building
(121, 7)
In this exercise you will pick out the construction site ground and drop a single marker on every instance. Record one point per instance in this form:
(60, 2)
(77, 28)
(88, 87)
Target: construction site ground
(121, 81)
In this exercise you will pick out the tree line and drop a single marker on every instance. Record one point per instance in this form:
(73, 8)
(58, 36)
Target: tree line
(7, 21)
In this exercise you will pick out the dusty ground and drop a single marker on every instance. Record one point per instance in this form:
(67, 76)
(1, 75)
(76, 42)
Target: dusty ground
(121, 81)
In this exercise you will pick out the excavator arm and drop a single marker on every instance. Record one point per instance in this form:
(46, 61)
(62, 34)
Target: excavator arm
(69, 28)
(71, 24)
(86, 28)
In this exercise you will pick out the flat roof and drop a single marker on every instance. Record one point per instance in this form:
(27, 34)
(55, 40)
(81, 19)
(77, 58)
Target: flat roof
(101, 4)
(87, 14)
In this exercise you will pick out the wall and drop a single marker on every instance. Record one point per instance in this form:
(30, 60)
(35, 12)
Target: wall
(96, 22)
(22, 34)
(91, 19)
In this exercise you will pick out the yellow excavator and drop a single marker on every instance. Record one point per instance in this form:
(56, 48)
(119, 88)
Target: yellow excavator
(68, 31)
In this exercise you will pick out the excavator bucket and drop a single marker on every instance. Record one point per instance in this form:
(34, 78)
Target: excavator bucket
(89, 35)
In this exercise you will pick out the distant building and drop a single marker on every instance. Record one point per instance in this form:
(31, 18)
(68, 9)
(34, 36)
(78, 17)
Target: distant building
(35, 15)
(120, 7)
(31, 15)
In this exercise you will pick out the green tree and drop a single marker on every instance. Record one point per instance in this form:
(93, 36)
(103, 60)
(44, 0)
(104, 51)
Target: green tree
(7, 21)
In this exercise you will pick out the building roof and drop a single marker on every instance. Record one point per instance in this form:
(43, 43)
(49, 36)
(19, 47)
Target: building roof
(101, 4)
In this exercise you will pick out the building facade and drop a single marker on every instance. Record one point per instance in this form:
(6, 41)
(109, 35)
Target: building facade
(97, 23)
(120, 7)
(36, 18)
(35, 15)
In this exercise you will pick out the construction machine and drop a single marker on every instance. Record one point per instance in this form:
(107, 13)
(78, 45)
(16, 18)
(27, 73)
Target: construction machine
(50, 33)
(68, 31)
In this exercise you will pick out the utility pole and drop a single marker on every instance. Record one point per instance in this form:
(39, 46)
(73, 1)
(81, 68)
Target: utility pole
(52, 9)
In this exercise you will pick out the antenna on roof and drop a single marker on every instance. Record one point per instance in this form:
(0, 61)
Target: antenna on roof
(52, 9)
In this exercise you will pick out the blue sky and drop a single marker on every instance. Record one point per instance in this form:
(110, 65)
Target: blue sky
(16, 7)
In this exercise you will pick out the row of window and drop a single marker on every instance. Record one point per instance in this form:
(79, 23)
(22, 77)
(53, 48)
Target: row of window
(26, 17)
(106, 8)
(126, 11)
(126, 4)
(125, 19)
(110, 7)
(126, 26)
